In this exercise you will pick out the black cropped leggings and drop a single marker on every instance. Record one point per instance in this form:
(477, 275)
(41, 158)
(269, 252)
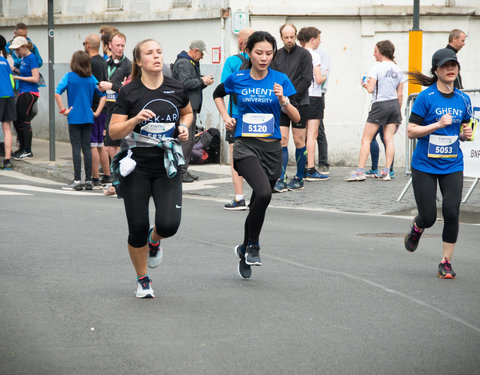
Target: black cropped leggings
(25, 114)
(425, 191)
(251, 170)
(137, 188)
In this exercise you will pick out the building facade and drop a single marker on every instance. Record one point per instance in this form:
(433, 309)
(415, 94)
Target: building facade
(349, 28)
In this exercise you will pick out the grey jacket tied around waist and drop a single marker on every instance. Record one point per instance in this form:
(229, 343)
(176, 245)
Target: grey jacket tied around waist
(173, 155)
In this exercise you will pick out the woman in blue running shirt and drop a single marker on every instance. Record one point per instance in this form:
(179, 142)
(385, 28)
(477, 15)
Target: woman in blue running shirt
(28, 94)
(439, 120)
(257, 154)
(81, 86)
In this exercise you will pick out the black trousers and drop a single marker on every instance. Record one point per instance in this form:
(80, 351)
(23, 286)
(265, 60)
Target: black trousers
(425, 191)
(251, 170)
(137, 189)
(25, 114)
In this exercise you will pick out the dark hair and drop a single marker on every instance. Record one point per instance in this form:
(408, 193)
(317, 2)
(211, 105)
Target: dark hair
(455, 33)
(106, 31)
(307, 33)
(136, 70)
(257, 37)
(285, 25)
(387, 49)
(3, 43)
(438, 57)
(81, 64)
(20, 26)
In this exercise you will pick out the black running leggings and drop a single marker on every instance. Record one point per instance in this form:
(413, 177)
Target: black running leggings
(137, 188)
(425, 191)
(251, 170)
(25, 114)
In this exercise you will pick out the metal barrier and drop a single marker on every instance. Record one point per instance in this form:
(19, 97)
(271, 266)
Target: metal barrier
(410, 145)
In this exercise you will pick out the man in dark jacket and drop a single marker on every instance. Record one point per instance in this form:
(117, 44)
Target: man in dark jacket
(296, 63)
(187, 70)
(456, 41)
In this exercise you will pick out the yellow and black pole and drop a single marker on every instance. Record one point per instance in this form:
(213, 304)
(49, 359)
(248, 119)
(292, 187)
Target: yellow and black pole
(415, 47)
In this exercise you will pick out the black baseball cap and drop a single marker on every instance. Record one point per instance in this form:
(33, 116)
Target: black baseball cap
(442, 56)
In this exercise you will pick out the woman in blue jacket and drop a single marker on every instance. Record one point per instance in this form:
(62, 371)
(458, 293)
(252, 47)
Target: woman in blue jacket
(81, 86)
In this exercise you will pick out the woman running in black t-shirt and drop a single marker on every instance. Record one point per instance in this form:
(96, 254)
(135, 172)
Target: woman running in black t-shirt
(147, 110)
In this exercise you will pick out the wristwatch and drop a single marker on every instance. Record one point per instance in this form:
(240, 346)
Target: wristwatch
(286, 102)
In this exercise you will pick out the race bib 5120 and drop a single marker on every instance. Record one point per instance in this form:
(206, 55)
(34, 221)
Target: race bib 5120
(257, 124)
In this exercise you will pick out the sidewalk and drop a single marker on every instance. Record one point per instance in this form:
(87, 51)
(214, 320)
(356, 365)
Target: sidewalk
(371, 196)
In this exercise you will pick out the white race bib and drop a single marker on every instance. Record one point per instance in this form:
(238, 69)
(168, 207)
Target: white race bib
(257, 124)
(158, 129)
(442, 146)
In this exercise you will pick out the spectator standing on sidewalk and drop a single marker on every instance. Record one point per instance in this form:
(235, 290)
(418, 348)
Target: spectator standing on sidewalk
(81, 86)
(99, 153)
(21, 30)
(261, 94)
(28, 95)
(456, 41)
(106, 31)
(439, 121)
(385, 83)
(296, 63)
(117, 71)
(7, 104)
(322, 144)
(186, 69)
(233, 64)
(309, 38)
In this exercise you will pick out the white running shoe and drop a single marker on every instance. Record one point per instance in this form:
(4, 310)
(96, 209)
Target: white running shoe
(144, 288)
(355, 176)
(155, 253)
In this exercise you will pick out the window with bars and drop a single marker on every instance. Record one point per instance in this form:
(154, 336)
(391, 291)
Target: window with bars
(182, 3)
(115, 4)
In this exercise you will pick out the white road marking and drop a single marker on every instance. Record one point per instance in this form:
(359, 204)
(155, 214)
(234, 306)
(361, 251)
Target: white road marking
(49, 190)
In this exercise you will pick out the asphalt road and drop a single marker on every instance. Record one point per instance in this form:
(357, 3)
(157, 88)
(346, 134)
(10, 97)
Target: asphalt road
(337, 293)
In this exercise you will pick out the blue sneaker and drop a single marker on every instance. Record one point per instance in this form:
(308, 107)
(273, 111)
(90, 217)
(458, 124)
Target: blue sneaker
(371, 173)
(316, 176)
(392, 174)
(280, 187)
(295, 184)
(235, 205)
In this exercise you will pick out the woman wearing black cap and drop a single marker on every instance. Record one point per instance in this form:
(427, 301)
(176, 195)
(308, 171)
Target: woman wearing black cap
(439, 120)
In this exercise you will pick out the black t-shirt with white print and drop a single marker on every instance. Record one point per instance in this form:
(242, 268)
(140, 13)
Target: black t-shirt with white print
(165, 101)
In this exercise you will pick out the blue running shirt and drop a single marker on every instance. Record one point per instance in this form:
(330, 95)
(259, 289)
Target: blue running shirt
(256, 97)
(440, 152)
(29, 63)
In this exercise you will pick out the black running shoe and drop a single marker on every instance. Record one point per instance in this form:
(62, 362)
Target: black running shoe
(244, 270)
(6, 165)
(412, 238)
(445, 270)
(252, 256)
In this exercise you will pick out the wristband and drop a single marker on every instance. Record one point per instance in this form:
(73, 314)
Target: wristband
(286, 102)
(183, 125)
(62, 111)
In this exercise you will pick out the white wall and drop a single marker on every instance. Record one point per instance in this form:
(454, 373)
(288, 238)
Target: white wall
(349, 28)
